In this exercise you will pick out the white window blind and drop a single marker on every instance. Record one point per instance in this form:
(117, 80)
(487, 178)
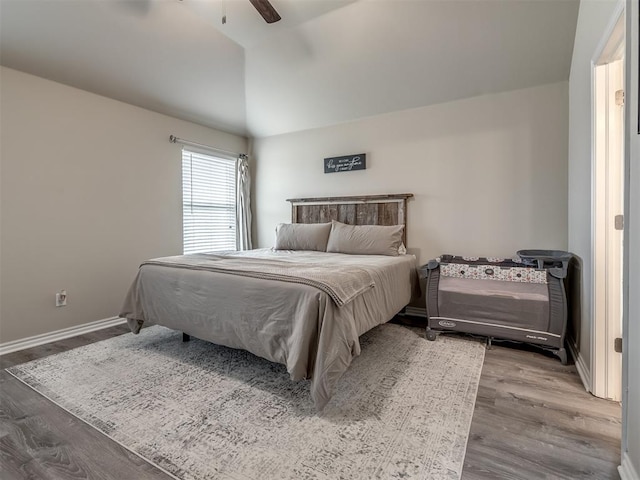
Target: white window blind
(208, 203)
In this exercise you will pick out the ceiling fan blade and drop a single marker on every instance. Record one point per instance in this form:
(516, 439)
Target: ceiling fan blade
(267, 11)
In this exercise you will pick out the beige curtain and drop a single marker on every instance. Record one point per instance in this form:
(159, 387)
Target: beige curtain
(243, 204)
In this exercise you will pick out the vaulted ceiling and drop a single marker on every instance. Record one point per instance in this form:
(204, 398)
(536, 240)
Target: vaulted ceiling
(325, 62)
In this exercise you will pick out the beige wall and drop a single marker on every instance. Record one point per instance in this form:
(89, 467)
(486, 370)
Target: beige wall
(90, 187)
(489, 174)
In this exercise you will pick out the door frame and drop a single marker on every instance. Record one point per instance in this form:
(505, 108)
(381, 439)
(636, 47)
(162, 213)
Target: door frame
(606, 378)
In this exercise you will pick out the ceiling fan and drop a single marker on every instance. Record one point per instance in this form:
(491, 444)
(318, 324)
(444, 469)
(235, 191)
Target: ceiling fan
(267, 11)
(264, 8)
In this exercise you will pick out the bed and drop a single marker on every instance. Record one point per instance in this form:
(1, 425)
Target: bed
(303, 308)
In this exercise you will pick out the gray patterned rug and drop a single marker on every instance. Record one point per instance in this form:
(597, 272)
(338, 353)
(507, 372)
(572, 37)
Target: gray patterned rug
(201, 411)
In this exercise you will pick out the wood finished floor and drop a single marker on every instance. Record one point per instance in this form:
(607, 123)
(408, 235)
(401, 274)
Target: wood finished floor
(532, 420)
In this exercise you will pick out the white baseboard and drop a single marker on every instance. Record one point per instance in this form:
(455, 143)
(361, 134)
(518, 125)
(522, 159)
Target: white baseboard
(37, 340)
(627, 470)
(581, 366)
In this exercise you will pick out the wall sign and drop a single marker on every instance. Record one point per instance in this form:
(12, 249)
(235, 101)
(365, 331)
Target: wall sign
(345, 163)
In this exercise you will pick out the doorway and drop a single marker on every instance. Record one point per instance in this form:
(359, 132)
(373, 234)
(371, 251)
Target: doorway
(608, 219)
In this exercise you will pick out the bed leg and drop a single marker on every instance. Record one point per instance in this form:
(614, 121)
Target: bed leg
(185, 337)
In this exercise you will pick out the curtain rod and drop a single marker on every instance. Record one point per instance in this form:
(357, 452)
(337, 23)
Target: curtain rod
(174, 139)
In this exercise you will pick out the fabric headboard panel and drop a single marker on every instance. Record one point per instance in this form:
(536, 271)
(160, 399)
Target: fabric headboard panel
(353, 210)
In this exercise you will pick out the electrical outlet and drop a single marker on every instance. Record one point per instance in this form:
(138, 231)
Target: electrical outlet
(61, 298)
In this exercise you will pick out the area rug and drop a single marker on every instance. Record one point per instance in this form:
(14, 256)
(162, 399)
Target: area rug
(201, 411)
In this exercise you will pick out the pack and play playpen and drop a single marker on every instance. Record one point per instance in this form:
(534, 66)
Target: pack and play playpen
(521, 299)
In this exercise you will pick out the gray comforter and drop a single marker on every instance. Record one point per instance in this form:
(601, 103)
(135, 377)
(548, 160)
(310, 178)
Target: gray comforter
(305, 310)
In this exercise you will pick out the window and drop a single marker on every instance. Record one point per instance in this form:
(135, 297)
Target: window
(208, 202)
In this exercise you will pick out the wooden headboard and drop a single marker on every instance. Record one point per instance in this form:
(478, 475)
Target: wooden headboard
(354, 210)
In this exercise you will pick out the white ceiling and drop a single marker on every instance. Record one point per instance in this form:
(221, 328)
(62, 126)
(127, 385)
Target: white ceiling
(325, 62)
